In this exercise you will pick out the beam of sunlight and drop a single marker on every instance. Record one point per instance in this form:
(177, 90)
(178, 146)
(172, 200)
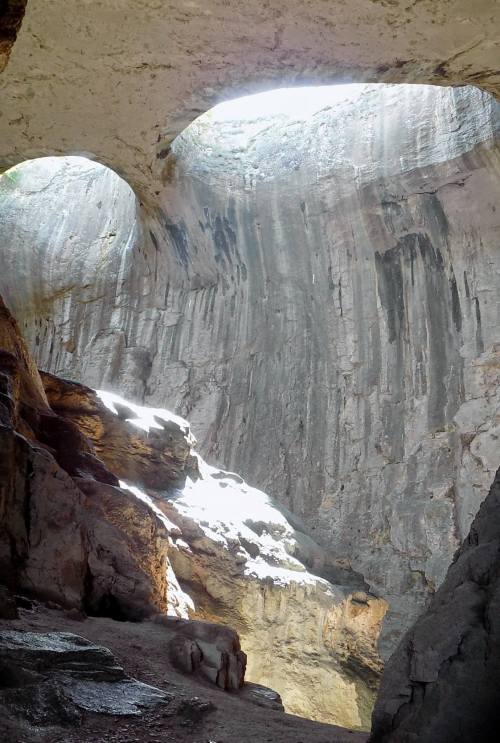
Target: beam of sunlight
(140, 416)
(300, 103)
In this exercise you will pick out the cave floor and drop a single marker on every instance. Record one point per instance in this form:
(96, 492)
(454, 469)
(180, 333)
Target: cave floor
(140, 648)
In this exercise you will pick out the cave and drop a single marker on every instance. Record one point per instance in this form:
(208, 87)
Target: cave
(248, 384)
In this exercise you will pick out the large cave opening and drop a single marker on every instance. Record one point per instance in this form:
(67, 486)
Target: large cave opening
(315, 293)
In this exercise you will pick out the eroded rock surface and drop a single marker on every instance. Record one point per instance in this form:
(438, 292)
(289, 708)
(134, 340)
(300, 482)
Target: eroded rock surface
(52, 678)
(67, 532)
(316, 295)
(442, 682)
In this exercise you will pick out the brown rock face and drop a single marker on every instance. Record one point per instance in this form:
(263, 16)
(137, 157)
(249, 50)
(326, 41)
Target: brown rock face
(442, 682)
(20, 382)
(67, 533)
(127, 559)
(158, 458)
(11, 17)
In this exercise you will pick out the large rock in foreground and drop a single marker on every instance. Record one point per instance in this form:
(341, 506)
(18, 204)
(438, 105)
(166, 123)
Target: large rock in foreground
(211, 650)
(54, 677)
(443, 681)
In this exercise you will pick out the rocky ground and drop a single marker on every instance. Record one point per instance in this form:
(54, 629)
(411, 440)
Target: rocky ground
(198, 713)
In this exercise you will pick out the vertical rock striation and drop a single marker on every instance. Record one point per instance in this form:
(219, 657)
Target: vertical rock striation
(318, 296)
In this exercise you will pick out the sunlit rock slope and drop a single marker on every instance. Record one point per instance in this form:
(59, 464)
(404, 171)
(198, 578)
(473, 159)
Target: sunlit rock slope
(113, 537)
(242, 560)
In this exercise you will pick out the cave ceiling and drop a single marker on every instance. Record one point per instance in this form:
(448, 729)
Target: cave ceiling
(117, 81)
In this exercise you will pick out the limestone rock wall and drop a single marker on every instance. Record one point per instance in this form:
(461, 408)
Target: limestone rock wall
(318, 297)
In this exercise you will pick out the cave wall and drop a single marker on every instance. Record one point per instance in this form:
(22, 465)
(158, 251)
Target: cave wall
(319, 299)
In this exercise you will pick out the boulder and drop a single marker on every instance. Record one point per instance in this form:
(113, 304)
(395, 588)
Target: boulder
(208, 649)
(262, 696)
(52, 678)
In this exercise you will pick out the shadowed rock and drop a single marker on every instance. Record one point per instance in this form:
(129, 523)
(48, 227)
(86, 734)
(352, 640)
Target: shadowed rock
(443, 681)
(11, 17)
(157, 456)
(8, 608)
(66, 533)
(52, 678)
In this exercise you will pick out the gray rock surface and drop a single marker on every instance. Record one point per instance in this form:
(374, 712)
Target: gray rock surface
(52, 678)
(442, 682)
(324, 312)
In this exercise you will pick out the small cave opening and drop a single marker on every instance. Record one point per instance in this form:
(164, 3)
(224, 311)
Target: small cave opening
(313, 292)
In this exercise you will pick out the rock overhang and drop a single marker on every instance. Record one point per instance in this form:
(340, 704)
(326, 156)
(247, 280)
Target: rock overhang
(105, 81)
